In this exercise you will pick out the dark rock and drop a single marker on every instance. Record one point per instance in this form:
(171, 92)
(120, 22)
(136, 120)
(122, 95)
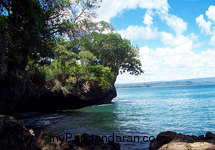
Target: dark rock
(57, 101)
(83, 139)
(184, 138)
(14, 136)
(166, 137)
(209, 135)
(18, 88)
(171, 140)
(194, 137)
(201, 137)
(19, 93)
(162, 138)
(48, 141)
(3, 62)
(154, 145)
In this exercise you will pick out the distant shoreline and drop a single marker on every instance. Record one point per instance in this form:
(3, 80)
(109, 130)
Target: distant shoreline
(151, 86)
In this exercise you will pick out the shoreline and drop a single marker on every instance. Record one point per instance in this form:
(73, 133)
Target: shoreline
(23, 138)
(154, 86)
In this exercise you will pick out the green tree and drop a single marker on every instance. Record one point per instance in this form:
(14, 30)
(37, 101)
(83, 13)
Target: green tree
(29, 28)
(25, 32)
(57, 39)
(113, 51)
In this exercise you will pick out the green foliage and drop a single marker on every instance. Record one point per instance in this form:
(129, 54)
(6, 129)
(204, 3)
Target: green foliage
(29, 28)
(73, 74)
(71, 68)
(26, 32)
(99, 74)
(37, 74)
(37, 36)
(113, 51)
(103, 76)
(86, 57)
(103, 26)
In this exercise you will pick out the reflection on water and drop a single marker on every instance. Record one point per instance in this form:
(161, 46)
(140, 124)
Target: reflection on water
(138, 111)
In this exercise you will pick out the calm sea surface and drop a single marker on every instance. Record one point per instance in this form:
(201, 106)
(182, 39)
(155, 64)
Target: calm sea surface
(139, 112)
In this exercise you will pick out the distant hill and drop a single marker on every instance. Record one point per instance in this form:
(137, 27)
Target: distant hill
(197, 81)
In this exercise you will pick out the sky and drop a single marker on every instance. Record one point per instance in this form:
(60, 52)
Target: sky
(176, 38)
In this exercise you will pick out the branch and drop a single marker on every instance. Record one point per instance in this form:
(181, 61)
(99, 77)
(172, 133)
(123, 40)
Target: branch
(80, 14)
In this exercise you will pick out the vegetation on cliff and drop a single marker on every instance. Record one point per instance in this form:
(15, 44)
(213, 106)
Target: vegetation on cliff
(57, 41)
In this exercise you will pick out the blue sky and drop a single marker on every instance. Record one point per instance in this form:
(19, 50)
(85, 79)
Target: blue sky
(176, 37)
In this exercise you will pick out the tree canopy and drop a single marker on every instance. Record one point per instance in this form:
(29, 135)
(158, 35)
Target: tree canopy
(58, 39)
(29, 28)
(113, 51)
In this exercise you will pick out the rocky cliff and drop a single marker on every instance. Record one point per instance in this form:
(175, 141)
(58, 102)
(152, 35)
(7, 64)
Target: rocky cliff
(19, 93)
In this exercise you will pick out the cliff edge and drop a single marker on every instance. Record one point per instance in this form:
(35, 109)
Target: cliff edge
(19, 93)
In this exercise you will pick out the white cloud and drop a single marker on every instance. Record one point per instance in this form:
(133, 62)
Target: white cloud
(150, 32)
(148, 20)
(177, 58)
(112, 8)
(208, 27)
(172, 64)
(139, 32)
(204, 25)
(176, 23)
(178, 40)
(153, 4)
(211, 13)
(212, 41)
(176, 61)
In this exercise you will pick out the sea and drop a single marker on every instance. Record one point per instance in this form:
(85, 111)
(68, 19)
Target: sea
(137, 115)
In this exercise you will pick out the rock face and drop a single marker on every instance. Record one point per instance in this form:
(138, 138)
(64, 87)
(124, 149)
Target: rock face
(57, 101)
(19, 93)
(14, 136)
(3, 63)
(16, 88)
(173, 141)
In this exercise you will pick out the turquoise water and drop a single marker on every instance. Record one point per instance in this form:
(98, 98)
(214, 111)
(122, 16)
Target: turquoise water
(140, 112)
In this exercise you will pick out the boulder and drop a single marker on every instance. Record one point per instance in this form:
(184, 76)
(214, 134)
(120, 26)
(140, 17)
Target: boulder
(188, 146)
(44, 142)
(209, 135)
(166, 137)
(14, 136)
(173, 141)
